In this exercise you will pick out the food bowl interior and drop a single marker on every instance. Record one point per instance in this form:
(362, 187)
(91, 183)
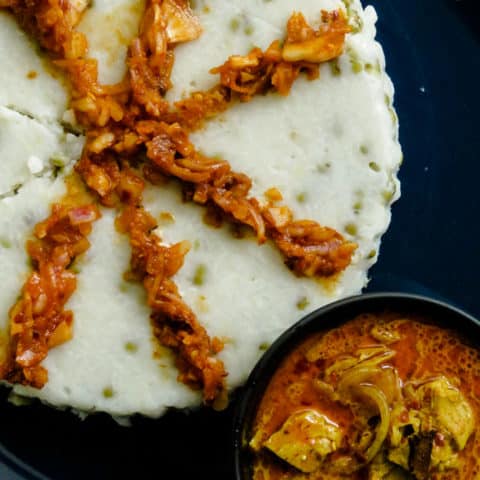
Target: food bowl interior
(323, 319)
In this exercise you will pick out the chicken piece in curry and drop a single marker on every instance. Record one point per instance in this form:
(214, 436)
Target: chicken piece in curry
(382, 397)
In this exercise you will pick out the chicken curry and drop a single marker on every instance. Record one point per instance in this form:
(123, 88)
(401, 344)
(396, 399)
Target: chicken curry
(381, 397)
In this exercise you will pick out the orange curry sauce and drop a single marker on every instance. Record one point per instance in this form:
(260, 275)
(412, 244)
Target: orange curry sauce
(422, 352)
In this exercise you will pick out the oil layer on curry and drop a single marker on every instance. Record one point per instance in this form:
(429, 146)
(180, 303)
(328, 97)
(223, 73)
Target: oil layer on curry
(381, 397)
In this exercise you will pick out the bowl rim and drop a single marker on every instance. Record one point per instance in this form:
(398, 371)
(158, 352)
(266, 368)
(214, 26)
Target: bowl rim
(253, 389)
(18, 466)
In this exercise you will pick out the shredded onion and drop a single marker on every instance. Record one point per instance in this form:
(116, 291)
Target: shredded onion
(355, 376)
(378, 397)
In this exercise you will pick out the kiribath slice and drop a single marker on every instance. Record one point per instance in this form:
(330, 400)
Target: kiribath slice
(332, 149)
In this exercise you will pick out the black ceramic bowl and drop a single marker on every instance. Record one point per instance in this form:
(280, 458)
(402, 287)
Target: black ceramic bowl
(323, 319)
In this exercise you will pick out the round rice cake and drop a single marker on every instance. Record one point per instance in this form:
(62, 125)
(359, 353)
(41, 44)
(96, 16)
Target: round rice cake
(331, 147)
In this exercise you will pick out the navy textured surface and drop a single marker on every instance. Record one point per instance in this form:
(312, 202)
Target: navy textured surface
(433, 56)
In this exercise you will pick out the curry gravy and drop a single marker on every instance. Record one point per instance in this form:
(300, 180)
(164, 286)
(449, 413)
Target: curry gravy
(422, 371)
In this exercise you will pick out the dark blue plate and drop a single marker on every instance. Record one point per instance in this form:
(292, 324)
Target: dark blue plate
(433, 247)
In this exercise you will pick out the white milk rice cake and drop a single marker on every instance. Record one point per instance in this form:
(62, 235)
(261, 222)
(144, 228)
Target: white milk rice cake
(331, 147)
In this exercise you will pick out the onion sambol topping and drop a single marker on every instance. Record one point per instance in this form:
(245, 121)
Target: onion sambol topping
(174, 324)
(275, 69)
(38, 320)
(52, 23)
(309, 249)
